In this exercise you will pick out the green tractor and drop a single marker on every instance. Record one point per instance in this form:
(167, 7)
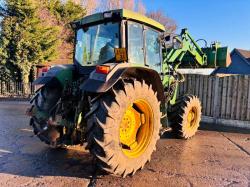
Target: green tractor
(121, 90)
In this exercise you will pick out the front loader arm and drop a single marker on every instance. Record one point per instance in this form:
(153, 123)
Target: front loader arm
(184, 46)
(185, 51)
(187, 46)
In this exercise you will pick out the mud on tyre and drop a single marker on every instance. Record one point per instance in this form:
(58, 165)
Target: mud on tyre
(124, 128)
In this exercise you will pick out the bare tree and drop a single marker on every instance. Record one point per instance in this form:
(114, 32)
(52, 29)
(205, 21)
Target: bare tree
(129, 4)
(160, 16)
(141, 7)
(133, 5)
(113, 4)
(105, 5)
(90, 5)
(93, 6)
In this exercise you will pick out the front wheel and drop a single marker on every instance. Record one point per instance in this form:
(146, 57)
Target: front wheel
(124, 129)
(185, 116)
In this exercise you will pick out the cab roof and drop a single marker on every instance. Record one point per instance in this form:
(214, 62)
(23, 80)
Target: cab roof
(123, 14)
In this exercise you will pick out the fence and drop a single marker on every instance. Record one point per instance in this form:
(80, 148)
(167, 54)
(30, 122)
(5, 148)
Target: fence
(16, 89)
(221, 97)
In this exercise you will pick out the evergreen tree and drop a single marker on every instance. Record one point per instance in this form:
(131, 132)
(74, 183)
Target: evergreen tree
(25, 41)
(65, 12)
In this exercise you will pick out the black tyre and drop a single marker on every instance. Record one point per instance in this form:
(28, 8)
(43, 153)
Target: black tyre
(185, 116)
(42, 105)
(124, 128)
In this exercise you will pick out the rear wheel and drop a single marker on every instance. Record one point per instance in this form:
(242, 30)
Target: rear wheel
(185, 116)
(42, 105)
(124, 129)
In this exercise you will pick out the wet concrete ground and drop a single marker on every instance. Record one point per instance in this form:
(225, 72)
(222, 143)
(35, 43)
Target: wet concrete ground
(211, 158)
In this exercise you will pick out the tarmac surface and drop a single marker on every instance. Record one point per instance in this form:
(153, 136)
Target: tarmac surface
(211, 158)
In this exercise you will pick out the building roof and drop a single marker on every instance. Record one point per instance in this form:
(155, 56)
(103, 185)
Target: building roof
(124, 14)
(244, 53)
(240, 63)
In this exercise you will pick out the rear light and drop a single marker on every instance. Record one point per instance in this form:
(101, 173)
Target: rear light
(102, 69)
(45, 70)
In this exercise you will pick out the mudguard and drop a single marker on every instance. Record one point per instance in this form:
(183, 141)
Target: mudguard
(62, 73)
(101, 83)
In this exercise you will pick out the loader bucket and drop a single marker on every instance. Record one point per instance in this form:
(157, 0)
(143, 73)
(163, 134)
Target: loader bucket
(217, 56)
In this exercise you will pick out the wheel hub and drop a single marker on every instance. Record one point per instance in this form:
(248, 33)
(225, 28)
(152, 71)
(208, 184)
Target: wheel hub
(192, 118)
(129, 126)
(136, 128)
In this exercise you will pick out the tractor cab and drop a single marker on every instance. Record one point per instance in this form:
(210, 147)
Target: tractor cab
(117, 36)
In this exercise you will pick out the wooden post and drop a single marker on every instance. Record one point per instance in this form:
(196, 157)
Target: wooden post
(197, 85)
(189, 84)
(243, 115)
(204, 106)
(239, 97)
(229, 97)
(234, 97)
(201, 89)
(224, 97)
(248, 100)
(185, 84)
(216, 99)
(209, 98)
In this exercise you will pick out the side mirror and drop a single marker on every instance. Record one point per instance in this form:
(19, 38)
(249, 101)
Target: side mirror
(167, 38)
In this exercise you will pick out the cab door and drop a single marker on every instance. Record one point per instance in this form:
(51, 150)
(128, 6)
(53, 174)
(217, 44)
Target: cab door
(152, 49)
(135, 43)
(143, 45)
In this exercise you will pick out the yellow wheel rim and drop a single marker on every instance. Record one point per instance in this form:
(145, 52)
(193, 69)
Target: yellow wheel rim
(136, 128)
(192, 118)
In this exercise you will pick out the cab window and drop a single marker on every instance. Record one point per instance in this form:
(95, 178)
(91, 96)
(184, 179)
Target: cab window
(95, 44)
(135, 43)
(152, 49)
